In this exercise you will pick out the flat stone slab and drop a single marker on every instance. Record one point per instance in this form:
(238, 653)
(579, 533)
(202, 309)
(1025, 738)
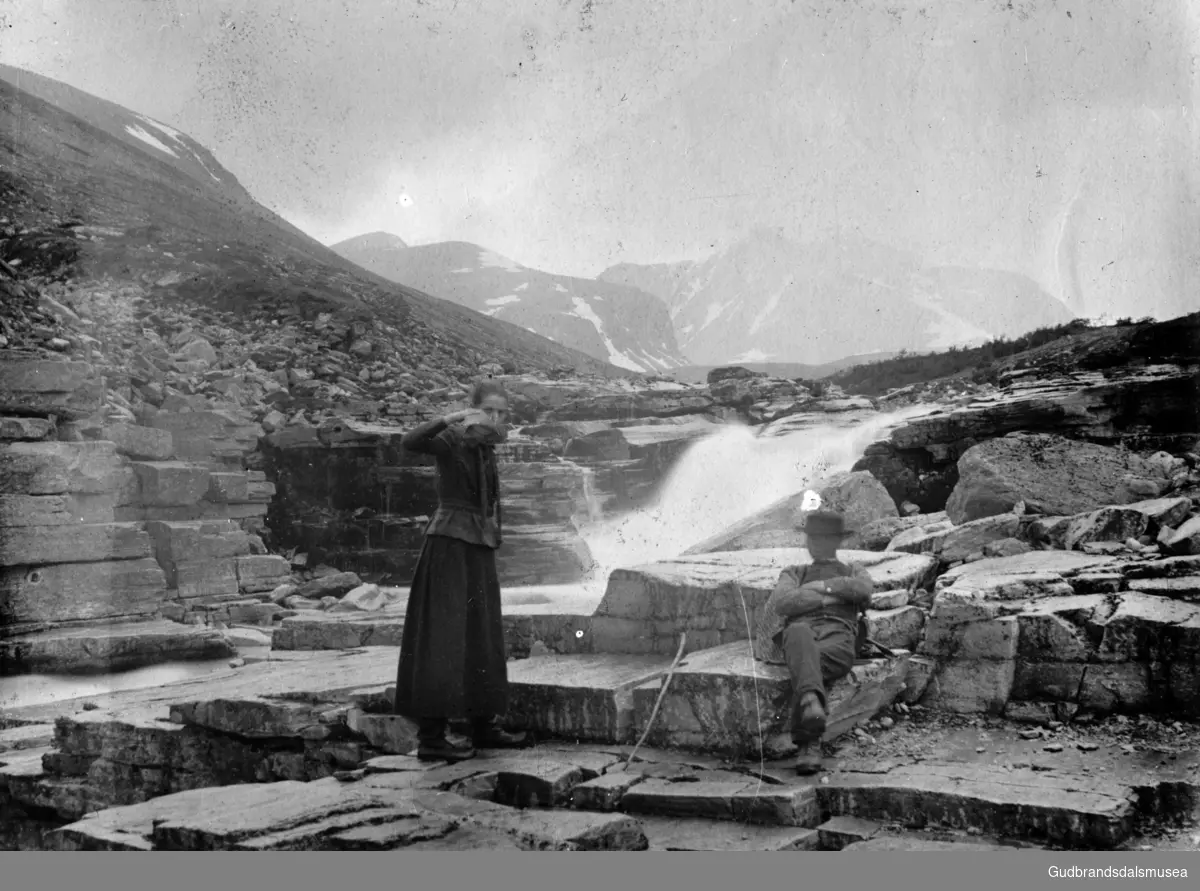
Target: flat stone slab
(107, 648)
(672, 834)
(382, 812)
(26, 736)
(715, 598)
(1025, 575)
(314, 630)
(723, 700)
(1184, 587)
(325, 677)
(737, 798)
(917, 843)
(558, 616)
(840, 832)
(1076, 812)
(542, 777)
(584, 697)
(1169, 567)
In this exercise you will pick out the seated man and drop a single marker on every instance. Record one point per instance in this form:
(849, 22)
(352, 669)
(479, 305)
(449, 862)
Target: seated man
(810, 623)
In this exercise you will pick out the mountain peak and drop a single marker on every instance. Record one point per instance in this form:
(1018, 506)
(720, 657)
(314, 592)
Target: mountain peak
(373, 241)
(617, 324)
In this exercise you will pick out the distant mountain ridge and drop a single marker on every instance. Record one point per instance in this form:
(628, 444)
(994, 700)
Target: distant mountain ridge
(614, 323)
(767, 299)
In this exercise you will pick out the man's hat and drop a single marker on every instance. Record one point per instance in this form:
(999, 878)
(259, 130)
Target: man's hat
(824, 522)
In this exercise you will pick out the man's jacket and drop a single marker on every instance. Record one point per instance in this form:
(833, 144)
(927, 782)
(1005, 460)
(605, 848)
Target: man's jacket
(789, 603)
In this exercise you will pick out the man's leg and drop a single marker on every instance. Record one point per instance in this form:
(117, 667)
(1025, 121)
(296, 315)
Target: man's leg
(803, 655)
(816, 656)
(837, 646)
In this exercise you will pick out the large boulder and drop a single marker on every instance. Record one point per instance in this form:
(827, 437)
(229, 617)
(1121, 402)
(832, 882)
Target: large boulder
(1050, 474)
(857, 495)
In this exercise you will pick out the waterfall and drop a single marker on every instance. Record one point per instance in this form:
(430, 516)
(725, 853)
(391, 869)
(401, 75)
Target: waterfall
(587, 477)
(725, 478)
(594, 509)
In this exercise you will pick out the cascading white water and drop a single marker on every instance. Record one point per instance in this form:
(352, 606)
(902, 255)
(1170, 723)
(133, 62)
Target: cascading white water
(589, 495)
(591, 501)
(723, 479)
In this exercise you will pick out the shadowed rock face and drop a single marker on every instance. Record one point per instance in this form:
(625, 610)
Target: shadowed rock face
(1050, 474)
(1136, 386)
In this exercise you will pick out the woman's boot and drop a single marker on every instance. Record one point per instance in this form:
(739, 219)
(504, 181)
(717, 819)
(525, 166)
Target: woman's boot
(432, 744)
(488, 734)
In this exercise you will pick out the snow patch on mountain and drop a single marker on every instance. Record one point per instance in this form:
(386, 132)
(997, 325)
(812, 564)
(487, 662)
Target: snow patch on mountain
(583, 310)
(497, 261)
(150, 139)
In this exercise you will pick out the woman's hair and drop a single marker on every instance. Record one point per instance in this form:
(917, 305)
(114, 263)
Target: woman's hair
(486, 388)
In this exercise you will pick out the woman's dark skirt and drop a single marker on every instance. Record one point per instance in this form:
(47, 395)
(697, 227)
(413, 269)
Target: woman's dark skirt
(452, 659)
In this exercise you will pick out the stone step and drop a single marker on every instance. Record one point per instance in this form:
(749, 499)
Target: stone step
(312, 630)
(669, 834)
(722, 700)
(1077, 812)
(840, 832)
(109, 648)
(914, 842)
(582, 697)
(721, 796)
(715, 598)
(1184, 587)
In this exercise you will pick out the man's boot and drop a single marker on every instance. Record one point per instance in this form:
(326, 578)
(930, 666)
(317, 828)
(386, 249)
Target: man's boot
(808, 719)
(808, 761)
(432, 744)
(488, 734)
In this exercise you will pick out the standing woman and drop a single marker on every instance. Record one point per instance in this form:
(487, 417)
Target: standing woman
(452, 659)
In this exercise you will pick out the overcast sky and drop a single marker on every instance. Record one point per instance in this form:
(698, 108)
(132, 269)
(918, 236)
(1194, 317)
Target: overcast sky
(1051, 137)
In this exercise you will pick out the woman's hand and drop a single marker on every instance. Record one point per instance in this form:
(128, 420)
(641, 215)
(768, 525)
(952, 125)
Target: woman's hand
(467, 417)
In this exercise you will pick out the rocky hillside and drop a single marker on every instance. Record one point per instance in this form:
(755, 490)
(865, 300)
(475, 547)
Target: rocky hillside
(611, 322)
(130, 215)
(770, 299)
